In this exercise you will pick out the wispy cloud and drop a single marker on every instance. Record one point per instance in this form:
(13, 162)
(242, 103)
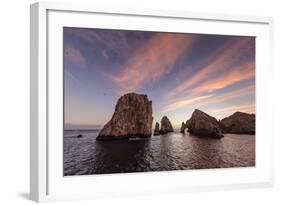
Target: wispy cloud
(229, 96)
(182, 103)
(200, 101)
(105, 54)
(102, 41)
(72, 77)
(85, 34)
(219, 62)
(74, 55)
(239, 73)
(152, 61)
(250, 108)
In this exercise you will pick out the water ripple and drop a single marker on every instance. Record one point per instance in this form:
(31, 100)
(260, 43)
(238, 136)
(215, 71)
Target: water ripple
(173, 151)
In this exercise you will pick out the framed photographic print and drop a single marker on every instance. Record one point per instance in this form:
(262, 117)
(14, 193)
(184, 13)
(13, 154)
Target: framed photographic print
(128, 101)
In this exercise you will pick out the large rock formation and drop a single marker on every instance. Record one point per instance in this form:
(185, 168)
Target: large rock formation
(166, 126)
(239, 123)
(187, 124)
(183, 126)
(132, 117)
(202, 124)
(157, 129)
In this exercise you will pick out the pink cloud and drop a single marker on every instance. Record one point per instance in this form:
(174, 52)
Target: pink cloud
(216, 64)
(153, 61)
(185, 102)
(238, 74)
(250, 108)
(193, 101)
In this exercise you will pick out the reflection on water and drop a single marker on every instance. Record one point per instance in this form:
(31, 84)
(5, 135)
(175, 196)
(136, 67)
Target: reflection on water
(173, 151)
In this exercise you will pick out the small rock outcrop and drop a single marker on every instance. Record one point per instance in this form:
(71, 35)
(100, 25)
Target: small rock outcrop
(183, 127)
(132, 117)
(157, 129)
(202, 124)
(239, 123)
(166, 126)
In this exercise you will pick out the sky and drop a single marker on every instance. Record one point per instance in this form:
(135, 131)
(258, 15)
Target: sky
(179, 72)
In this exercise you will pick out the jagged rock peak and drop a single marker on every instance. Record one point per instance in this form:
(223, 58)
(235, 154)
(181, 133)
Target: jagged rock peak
(157, 129)
(166, 125)
(183, 127)
(202, 124)
(132, 117)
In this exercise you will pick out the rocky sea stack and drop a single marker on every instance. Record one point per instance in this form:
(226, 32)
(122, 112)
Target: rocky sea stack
(239, 123)
(132, 117)
(202, 124)
(183, 126)
(156, 129)
(166, 126)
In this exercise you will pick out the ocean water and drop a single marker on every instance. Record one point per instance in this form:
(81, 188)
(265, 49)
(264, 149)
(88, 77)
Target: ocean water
(173, 151)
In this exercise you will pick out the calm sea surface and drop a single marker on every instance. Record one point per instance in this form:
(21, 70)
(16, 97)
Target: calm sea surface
(173, 151)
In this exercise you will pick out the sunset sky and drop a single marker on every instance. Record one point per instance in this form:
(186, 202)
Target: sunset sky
(178, 72)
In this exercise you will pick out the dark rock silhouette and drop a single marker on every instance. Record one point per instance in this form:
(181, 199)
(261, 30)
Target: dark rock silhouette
(183, 127)
(79, 136)
(157, 129)
(202, 124)
(132, 117)
(166, 126)
(187, 124)
(239, 123)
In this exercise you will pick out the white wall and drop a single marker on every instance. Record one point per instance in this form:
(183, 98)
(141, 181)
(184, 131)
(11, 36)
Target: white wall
(14, 103)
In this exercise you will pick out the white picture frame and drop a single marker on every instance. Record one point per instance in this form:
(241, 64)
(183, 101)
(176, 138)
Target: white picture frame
(46, 179)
